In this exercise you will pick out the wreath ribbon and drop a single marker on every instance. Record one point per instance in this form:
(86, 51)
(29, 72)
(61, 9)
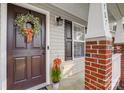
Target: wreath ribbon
(29, 34)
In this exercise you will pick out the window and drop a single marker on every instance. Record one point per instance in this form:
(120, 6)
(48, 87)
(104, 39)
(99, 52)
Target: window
(78, 40)
(74, 40)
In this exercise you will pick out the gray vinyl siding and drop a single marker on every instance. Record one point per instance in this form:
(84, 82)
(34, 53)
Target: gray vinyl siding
(57, 47)
(59, 12)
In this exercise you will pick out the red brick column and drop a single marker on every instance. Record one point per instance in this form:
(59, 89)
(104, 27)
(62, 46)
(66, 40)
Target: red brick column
(98, 65)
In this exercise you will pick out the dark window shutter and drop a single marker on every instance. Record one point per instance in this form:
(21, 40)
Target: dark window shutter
(68, 40)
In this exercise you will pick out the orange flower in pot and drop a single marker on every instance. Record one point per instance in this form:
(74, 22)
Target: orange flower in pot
(56, 73)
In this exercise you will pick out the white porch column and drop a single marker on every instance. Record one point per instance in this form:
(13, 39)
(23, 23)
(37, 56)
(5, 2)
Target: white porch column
(98, 65)
(98, 21)
(3, 46)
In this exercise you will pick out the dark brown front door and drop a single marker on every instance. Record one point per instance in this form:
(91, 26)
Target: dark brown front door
(26, 61)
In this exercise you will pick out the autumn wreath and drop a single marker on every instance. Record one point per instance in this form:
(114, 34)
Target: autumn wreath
(28, 32)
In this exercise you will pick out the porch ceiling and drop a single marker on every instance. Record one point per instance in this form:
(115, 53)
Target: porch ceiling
(77, 9)
(115, 10)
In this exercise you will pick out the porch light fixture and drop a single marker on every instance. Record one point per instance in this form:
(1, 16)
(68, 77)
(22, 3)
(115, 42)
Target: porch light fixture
(59, 21)
(85, 30)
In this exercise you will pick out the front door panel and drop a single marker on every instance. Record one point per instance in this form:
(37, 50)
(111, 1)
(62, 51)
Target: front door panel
(26, 61)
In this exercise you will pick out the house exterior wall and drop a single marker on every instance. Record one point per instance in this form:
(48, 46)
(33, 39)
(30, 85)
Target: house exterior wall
(57, 46)
(57, 40)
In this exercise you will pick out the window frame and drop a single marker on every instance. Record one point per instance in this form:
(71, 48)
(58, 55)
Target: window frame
(81, 41)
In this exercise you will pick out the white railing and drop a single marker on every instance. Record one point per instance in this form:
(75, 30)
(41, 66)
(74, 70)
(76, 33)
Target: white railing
(116, 68)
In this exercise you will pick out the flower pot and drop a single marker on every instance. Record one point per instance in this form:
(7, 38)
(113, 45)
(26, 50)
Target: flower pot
(56, 85)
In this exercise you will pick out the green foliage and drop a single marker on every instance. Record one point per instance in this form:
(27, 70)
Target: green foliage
(56, 75)
(21, 20)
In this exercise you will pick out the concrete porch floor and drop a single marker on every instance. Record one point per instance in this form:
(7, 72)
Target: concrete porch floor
(75, 82)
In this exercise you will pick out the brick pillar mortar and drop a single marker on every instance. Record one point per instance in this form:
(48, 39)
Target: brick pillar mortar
(98, 65)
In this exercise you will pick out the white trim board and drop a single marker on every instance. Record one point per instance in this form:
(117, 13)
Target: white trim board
(3, 43)
(3, 49)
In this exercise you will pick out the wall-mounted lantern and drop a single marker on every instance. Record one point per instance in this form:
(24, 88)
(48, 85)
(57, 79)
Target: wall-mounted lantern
(85, 30)
(59, 21)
